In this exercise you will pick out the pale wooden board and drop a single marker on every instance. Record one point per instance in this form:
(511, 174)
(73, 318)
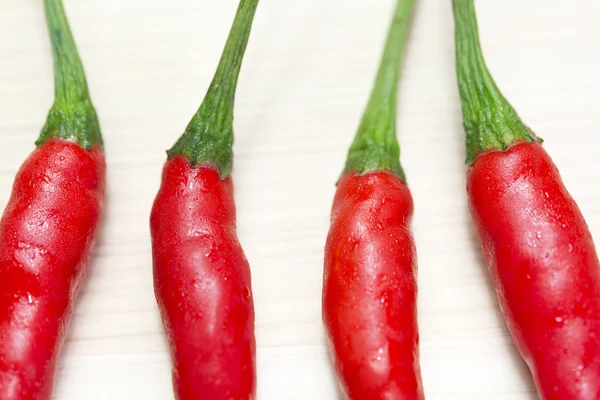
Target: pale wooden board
(306, 77)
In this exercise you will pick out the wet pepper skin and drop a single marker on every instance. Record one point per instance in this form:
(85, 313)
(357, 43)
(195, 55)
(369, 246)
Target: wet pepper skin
(370, 289)
(46, 235)
(202, 284)
(544, 266)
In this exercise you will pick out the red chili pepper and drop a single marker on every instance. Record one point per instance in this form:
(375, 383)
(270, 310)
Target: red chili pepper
(537, 245)
(370, 277)
(201, 276)
(49, 227)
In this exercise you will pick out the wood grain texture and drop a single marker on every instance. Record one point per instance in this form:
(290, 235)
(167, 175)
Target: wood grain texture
(305, 81)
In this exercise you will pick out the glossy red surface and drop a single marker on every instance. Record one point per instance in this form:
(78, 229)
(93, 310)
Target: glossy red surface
(46, 235)
(544, 266)
(202, 284)
(370, 289)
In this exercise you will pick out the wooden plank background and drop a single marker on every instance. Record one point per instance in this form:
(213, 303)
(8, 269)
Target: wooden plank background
(305, 81)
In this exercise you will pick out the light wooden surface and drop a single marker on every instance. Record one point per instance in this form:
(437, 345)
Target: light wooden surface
(309, 67)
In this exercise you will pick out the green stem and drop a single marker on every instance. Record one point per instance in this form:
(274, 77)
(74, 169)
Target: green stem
(72, 116)
(490, 121)
(208, 139)
(375, 145)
